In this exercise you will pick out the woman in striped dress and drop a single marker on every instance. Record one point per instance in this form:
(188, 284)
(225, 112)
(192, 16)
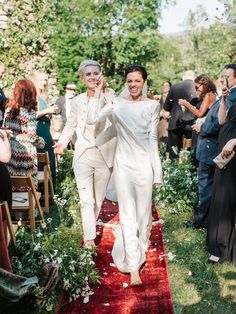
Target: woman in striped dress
(20, 119)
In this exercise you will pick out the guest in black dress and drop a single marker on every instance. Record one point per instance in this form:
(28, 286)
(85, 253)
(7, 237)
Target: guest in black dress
(5, 181)
(221, 233)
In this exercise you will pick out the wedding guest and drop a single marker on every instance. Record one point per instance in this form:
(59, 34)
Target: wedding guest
(136, 119)
(3, 98)
(44, 113)
(94, 149)
(207, 147)
(183, 90)
(5, 181)
(20, 118)
(221, 232)
(64, 106)
(164, 115)
(64, 102)
(206, 90)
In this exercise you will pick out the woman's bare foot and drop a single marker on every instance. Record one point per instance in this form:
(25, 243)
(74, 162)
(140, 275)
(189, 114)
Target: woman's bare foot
(89, 243)
(135, 279)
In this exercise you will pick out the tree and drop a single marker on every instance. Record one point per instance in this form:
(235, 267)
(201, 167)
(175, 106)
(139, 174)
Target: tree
(115, 33)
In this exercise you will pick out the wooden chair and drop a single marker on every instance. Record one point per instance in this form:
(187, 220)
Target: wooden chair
(7, 223)
(26, 201)
(45, 177)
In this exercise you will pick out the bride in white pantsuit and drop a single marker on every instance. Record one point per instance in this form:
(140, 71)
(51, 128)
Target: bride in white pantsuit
(137, 167)
(94, 149)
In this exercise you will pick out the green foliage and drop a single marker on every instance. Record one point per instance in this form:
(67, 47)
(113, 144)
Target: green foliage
(58, 241)
(115, 33)
(24, 46)
(179, 191)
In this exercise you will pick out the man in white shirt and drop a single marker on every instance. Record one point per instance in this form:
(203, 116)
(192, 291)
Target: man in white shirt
(64, 107)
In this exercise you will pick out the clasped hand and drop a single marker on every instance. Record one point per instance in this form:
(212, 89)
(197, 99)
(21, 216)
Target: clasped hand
(58, 149)
(183, 102)
(227, 149)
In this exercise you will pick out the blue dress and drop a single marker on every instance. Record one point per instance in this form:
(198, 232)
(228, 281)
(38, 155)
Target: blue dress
(43, 130)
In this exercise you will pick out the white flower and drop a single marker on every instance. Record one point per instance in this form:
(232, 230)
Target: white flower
(190, 273)
(66, 284)
(86, 300)
(112, 265)
(59, 260)
(39, 234)
(170, 256)
(37, 247)
(72, 267)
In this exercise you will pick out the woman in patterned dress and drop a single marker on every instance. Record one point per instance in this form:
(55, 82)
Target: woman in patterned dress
(20, 119)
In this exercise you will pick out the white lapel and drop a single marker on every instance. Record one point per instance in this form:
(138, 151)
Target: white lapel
(82, 111)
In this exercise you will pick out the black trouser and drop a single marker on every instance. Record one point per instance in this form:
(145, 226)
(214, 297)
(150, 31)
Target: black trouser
(205, 186)
(175, 138)
(5, 185)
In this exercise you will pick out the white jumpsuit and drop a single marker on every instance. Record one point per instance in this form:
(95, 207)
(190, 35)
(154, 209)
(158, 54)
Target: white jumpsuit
(137, 166)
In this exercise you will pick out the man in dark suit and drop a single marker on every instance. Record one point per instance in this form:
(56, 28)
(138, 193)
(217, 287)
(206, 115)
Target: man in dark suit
(3, 98)
(186, 90)
(207, 150)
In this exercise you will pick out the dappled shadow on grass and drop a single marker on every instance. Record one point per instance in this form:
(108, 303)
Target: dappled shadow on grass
(197, 286)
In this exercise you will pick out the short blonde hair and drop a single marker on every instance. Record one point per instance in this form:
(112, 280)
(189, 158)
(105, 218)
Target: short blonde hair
(86, 63)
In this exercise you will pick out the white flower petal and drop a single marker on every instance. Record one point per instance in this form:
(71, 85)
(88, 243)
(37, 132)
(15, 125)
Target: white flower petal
(86, 300)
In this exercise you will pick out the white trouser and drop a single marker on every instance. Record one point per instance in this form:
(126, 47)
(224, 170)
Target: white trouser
(92, 175)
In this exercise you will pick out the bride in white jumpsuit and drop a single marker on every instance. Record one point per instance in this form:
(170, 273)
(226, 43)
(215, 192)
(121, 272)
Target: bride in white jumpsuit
(137, 167)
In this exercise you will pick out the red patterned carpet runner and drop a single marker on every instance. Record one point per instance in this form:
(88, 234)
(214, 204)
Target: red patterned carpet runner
(114, 295)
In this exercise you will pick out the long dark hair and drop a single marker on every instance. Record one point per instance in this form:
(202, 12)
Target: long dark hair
(207, 84)
(24, 96)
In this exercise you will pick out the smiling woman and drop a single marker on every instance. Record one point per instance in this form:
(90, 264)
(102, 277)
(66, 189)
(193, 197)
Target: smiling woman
(94, 148)
(136, 119)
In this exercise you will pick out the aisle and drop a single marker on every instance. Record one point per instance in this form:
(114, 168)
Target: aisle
(114, 295)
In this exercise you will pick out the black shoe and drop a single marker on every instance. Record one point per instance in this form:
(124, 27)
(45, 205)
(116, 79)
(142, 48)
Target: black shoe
(194, 224)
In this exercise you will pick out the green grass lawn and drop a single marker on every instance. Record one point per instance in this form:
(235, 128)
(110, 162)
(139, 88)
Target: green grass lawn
(196, 286)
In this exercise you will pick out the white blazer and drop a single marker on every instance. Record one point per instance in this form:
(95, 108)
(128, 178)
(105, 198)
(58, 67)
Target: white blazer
(105, 137)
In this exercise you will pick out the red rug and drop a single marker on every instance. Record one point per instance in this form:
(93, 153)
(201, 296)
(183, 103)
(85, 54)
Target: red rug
(114, 295)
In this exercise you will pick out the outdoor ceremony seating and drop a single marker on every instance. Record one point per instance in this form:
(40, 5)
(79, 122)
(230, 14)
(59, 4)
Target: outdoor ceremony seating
(26, 201)
(44, 177)
(7, 223)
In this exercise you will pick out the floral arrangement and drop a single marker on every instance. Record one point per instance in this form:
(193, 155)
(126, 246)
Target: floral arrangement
(59, 241)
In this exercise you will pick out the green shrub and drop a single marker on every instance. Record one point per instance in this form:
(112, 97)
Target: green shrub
(59, 241)
(179, 191)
